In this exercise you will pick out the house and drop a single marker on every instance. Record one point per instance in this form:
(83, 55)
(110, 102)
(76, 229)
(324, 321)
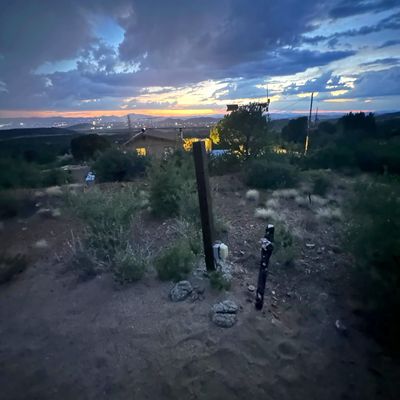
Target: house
(161, 142)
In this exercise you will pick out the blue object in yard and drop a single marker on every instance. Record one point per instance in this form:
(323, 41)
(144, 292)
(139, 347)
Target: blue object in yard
(218, 153)
(90, 178)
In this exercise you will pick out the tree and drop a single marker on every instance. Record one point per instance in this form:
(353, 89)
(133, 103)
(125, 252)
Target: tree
(327, 127)
(295, 130)
(244, 131)
(358, 125)
(85, 147)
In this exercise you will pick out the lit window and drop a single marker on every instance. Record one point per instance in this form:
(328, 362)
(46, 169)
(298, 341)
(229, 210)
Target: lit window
(141, 151)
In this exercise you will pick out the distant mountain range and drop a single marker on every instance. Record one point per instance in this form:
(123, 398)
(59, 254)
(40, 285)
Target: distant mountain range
(113, 122)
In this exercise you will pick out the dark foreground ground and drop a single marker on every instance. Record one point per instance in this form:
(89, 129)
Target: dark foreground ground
(65, 339)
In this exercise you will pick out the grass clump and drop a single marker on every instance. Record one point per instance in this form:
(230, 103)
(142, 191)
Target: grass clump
(175, 262)
(129, 265)
(285, 249)
(329, 213)
(373, 238)
(11, 266)
(108, 216)
(253, 195)
(266, 214)
(218, 282)
(263, 174)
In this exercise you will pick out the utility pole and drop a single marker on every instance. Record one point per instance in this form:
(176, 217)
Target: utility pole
(308, 125)
(129, 123)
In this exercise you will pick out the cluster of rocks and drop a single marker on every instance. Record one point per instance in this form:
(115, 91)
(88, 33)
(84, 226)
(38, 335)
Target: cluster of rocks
(223, 314)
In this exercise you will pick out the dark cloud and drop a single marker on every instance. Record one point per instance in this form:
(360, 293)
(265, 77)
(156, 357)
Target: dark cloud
(348, 8)
(382, 61)
(166, 43)
(392, 22)
(378, 83)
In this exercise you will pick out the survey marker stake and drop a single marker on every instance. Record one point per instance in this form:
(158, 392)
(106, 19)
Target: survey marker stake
(266, 251)
(206, 214)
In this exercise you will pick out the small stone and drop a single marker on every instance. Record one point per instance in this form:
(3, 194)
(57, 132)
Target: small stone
(41, 244)
(251, 288)
(310, 245)
(181, 291)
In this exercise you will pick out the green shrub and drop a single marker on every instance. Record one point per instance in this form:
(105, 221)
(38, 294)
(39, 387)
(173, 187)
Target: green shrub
(85, 147)
(172, 189)
(373, 238)
(11, 266)
(129, 265)
(332, 156)
(271, 175)
(115, 165)
(320, 182)
(218, 282)
(15, 173)
(175, 262)
(55, 177)
(284, 245)
(223, 164)
(108, 216)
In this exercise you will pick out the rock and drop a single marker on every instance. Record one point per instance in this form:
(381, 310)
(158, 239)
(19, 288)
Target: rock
(310, 245)
(224, 314)
(251, 288)
(225, 269)
(225, 307)
(181, 291)
(41, 244)
(224, 320)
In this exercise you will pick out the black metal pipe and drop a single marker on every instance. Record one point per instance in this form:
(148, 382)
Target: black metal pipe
(266, 251)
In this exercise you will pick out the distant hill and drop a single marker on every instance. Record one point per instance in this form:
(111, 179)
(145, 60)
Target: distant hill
(34, 132)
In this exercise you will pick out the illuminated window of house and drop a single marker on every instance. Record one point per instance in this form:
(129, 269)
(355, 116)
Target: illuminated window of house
(141, 151)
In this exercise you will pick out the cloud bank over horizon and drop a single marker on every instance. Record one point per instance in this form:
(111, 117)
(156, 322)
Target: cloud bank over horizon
(179, 57)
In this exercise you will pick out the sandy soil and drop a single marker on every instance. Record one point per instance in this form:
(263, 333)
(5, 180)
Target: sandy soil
(61, 338)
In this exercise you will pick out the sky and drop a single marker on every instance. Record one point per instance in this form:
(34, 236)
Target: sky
(192, 57)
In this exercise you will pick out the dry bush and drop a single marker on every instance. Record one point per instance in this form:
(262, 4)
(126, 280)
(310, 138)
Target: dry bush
(253, 195)
(302, 201)
(285, 193)
(272, 203)
(266, 214)
(329, 213)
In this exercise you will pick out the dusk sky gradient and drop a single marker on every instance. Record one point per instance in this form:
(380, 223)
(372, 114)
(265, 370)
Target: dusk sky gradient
(189, 57)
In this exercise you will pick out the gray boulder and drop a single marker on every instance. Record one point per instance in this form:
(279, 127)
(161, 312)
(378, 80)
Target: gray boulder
(181, 291)
(224, 314)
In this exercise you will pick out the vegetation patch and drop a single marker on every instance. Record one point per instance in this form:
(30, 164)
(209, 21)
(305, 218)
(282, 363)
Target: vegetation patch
(265, 174)
(175, 262)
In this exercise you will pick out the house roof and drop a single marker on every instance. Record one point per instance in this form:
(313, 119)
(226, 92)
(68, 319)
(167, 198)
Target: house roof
(169, 135)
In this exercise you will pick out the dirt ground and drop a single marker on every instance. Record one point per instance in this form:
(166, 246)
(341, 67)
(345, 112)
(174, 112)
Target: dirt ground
(61, 338)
